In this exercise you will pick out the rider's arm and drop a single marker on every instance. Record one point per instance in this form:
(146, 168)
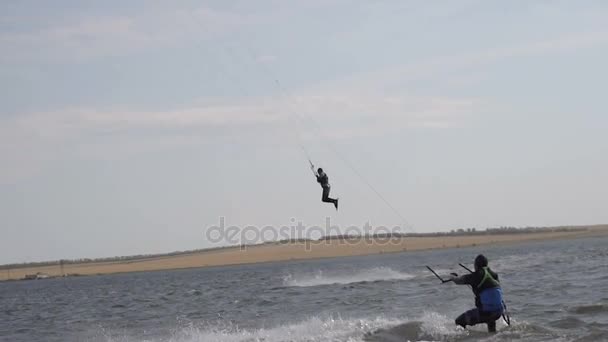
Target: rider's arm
(314, 172)
(466, 279)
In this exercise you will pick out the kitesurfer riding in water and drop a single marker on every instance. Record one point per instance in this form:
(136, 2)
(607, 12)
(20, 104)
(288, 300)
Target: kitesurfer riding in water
(324, 181)
(488, 296)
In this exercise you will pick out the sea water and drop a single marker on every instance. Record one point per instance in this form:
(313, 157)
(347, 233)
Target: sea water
(555, 291)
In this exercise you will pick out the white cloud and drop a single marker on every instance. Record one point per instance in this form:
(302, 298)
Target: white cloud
(29, 141)
(99, 36)
(334, 109)
(358, 105)
(434, 67)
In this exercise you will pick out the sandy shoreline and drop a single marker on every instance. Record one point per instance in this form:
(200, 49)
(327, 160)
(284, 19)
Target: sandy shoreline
(294, 251)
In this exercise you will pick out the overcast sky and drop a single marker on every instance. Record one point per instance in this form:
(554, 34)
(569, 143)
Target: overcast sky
(130, 127)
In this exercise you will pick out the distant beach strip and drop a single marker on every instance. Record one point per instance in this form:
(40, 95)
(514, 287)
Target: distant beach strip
(327, 247)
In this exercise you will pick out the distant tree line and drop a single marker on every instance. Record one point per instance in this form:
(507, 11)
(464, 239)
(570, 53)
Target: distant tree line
(464, 232)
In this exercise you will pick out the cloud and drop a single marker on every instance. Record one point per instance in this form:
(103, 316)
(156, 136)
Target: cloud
(437, 66)
(364, 104)
(85, 37)
(332, 109)
(32, 140)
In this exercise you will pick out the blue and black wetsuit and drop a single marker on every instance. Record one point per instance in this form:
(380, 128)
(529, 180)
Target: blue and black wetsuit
(488, 298)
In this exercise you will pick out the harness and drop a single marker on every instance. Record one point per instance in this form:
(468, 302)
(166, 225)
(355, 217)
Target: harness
(491, 296)
(487, 276)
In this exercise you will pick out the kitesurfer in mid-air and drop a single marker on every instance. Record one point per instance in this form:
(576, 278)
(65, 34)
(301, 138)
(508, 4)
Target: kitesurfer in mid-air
(489, 305)
(324, 181)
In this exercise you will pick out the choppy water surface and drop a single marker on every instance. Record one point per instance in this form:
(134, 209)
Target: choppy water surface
(556, 291)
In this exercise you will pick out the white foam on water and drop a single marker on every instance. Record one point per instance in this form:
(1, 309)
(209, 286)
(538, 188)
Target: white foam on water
(329, 278)
(438, 326)
(314, 329)
(433, 326)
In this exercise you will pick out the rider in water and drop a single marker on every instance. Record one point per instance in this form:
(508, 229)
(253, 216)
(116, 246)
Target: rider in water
(488, 296)
(324, 181)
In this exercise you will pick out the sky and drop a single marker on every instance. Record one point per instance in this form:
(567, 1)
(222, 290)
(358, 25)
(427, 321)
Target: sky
(132, 127)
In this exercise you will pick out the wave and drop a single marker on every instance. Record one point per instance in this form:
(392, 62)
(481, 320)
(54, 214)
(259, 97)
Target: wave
(430, 326)
(314, 329)
(330, 278)
(519, 262)
(589, 309)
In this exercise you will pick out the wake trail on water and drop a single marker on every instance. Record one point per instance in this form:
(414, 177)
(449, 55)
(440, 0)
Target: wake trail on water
(321, 277)
(430, 326)
(314, 329)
